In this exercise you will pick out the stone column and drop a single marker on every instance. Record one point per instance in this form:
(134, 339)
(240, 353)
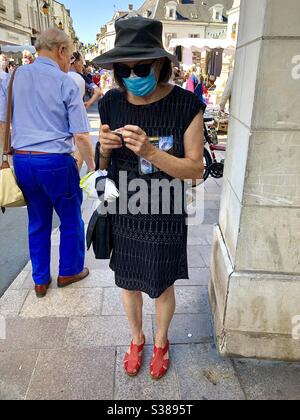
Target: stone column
(255, 286)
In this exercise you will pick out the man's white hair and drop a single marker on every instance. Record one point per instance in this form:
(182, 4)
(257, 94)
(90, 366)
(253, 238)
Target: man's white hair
(52, 39)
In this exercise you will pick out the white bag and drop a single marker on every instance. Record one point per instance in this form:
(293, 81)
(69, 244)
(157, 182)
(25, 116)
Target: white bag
(88, 185)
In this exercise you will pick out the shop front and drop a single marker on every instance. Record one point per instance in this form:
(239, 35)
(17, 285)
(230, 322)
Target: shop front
(8, 37)
(213, 59)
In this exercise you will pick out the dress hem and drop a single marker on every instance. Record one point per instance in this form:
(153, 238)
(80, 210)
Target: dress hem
(146, 291)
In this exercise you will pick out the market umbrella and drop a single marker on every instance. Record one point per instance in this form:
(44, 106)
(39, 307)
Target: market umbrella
(203, 44)
(14, 49)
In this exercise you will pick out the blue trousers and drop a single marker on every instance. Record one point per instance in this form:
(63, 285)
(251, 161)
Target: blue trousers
(51, 182)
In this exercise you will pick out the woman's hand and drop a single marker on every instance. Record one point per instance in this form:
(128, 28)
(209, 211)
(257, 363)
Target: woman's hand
(109, 141)
(137, 141)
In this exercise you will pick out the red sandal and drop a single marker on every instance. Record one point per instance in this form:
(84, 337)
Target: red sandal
(133, 361)
(159, 366)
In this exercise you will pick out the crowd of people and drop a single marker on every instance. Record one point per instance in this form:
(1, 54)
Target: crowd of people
(151, 128)
(91, 80)
(201, 85)
(7, 65)
(94, 82)
(194, 81)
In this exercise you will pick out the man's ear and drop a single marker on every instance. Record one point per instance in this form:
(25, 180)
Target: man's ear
(61, 51)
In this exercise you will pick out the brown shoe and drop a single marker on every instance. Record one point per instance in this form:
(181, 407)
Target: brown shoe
(41, 291)
(64, 281)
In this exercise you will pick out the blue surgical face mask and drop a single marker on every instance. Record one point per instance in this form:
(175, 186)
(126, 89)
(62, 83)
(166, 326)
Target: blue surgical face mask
(141, 86)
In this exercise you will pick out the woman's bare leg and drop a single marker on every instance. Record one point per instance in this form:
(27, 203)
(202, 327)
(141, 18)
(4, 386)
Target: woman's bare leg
(165, 309)
(133, 305)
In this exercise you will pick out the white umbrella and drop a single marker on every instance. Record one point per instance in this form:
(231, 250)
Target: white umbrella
(14, 49)
(203, 44)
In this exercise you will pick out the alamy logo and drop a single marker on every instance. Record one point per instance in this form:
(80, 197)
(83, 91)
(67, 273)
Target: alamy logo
(296, 327)
(2, 328)
(296, 69)
(158, 196)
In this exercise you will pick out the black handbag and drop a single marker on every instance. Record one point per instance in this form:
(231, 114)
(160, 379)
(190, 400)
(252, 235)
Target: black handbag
(99, 232)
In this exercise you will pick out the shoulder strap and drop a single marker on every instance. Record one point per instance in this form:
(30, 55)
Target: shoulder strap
(7, 136)
(97, 156)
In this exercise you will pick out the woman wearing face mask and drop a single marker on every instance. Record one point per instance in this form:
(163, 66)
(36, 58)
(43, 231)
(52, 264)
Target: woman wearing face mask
(162, 133)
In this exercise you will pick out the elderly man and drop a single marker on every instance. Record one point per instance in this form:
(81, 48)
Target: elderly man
(48, 116)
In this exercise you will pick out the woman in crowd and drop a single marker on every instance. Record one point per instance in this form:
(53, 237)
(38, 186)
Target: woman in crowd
(3, 67)
(77, 70)
(149, 248)
(106, 82)
(27, 58)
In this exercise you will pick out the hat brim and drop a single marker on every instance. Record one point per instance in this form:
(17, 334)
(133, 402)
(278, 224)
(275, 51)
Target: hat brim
(122, 55)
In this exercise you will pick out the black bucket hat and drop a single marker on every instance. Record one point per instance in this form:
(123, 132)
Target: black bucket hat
(137, 38)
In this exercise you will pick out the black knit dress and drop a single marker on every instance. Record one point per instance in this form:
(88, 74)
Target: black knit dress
(150, 250)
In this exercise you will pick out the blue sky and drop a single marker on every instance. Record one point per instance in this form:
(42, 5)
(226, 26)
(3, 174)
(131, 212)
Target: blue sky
(90, 15)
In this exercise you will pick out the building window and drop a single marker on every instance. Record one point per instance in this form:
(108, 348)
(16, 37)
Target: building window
(171, 13)
(36, 20)
(171, 9)
(169, 37)
(217, 12)
(31, 14)
(2, 7)
(17, 12)
(234, 31)
(194, 36)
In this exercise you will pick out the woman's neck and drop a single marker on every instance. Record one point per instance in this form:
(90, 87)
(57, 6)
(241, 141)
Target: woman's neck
(160, 92)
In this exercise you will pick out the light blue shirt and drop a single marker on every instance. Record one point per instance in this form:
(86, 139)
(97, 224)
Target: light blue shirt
(47, 108)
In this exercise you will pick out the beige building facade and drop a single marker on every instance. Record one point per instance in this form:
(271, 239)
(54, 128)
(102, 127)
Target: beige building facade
(22, 20)
(107, 35)
(181, 19)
